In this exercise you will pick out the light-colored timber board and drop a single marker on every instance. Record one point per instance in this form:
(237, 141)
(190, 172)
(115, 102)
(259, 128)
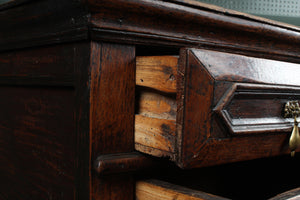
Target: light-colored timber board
(159, 190)
(157, 72)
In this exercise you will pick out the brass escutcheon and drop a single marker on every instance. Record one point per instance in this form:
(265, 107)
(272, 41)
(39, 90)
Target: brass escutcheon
(292, 109)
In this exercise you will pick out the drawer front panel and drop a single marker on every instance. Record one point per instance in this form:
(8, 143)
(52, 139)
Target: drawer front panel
(226, 107)
(233, 107)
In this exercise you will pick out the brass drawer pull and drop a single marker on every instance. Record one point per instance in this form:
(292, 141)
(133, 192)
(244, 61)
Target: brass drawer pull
(292, 109)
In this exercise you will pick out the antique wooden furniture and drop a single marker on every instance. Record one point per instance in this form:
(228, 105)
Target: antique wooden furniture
(127, 99)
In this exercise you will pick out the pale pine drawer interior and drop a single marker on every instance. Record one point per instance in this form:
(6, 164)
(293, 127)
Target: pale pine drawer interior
(156, 107)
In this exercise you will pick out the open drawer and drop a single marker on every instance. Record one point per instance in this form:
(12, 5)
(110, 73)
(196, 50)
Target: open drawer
(206, 107)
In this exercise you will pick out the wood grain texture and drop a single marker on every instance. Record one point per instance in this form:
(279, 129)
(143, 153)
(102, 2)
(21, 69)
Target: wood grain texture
(238, 68)
(38, 143)
(42, 22)
(157, 72)
(132, 22)
(123, 163)
(217, 102)
(155, 136)
(197, 97)
(155, 119)
(42, 133)
(52, 65)
(64, 106)
(112, 97)
(150, 103)
(217, 151)
(178, 24)
(159, 190)
(204, 139)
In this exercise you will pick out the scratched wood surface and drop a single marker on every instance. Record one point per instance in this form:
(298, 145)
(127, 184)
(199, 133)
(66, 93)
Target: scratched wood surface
(112, 113)
(43, 76)
(184, 23)
(155, 135)
(206, 137)
(37, 137)
(157, 72)
(38, 153)
(48, 66)
(26, 24)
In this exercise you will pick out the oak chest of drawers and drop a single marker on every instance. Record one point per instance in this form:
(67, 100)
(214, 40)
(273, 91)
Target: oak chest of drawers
(126, 99)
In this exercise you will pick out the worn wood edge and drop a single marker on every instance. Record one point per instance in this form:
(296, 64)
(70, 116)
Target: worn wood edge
(221, 21)
(225, 60)
(180, 98)
(230, 12)
(127, 37)
(154, 152)
(75, 31)
(109, 34)
(187, 133)
(123, 163)
(155, 133)
(234, 150)
(157, 72)
(160, 190)
(188, 5)
(78, 35)
(112, 94)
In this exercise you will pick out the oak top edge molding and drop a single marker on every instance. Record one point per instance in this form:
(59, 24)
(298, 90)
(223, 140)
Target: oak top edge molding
(187, 5)
(178, 23)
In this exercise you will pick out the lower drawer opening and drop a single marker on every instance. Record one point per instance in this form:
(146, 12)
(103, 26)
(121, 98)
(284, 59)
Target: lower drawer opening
(256, 179)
